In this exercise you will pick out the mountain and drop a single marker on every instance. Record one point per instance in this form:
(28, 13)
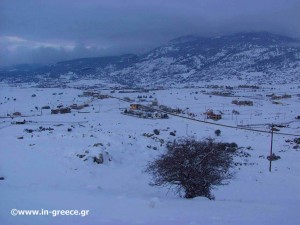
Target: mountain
(260, 57)
(96, 67)
(252, 57)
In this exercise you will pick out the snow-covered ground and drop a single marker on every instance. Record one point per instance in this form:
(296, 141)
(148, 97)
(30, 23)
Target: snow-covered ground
(54, 169)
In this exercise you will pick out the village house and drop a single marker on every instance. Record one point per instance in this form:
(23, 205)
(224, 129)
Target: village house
(274, 97)
(211, 115)
(54, 111)
(169, 109)
(89, 94)
(102, 96)
(17, 114)
(221, 93)
(78, 107)
(46, 107)
(65, 110)
(61, 110)
(242, 103)
(20, 122)
(277, 97)
(135, 106)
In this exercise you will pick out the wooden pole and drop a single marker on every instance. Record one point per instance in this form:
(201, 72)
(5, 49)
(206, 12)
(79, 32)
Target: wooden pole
(271, 149)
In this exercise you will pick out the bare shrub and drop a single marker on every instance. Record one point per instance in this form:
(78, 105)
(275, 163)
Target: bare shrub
(193, 167)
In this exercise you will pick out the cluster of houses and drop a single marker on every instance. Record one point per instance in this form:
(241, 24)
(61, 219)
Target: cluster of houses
(222, 93)
(170, 110)
(277, 97)
(242, 103)
(62, 110)
(153, 110)
(93, 94)
(145, 112)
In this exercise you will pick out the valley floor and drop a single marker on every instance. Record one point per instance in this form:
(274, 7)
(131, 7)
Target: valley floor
(48, 162)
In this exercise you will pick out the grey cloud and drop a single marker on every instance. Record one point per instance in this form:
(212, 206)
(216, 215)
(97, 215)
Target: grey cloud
(132, 26)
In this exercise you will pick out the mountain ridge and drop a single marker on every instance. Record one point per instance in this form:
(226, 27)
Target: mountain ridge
(261, 57)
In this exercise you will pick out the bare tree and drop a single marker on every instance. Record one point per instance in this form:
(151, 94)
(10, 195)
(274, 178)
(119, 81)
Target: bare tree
(193, 167)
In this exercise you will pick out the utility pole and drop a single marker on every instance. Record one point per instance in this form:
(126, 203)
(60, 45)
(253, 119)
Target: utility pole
(271, 149)
(187, 127)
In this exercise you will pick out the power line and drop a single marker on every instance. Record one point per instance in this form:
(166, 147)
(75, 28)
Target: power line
(208, 122)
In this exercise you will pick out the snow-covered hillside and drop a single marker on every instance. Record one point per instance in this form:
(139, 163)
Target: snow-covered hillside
(253, 57)
(52, 161)
(257, 58)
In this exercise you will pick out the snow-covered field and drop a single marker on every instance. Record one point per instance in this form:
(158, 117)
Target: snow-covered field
(54, 169)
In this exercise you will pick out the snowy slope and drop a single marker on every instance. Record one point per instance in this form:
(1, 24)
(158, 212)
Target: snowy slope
(274, 58)
(43, 170)
(257, 58)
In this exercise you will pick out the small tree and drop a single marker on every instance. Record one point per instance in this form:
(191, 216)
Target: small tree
(193, 167)
(217, 132)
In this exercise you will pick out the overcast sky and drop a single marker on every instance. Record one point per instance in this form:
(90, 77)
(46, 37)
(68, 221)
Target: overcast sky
(47, 31)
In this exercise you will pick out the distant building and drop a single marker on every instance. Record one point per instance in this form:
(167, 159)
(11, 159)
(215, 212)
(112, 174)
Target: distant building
(46, 107)
(135, 106)
(54, 111)
(242, 103)
(89, 93)
(78, 107)
(61, 110)
(281, 97)
(154, 102)
(102, 96)
(211, 115)
(65, 110)
(17, 114)
(20, 122)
